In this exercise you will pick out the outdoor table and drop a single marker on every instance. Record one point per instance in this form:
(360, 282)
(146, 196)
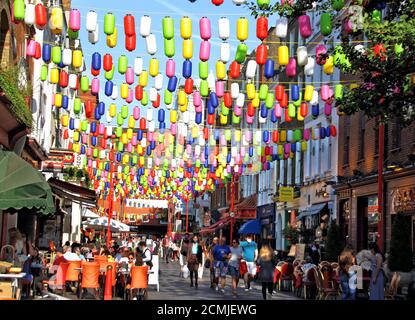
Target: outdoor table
(15, 277)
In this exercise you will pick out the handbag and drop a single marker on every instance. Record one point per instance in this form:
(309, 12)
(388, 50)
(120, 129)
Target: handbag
(207, 264)
(243, 268)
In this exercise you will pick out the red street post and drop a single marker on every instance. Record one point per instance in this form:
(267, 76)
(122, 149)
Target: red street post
(111, 195)
(187, 215)
(108, 284)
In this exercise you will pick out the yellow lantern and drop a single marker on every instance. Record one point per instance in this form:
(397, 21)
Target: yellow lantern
(308, 93)
(283, 55)
(131, 122)
(223, 119)
(77, 58)
(54, 76)
(187, 49)
(283, 136)
(124, 91)
(186, 27)
(130, 133)
(242, 29)
(65, 120)
(112, 39)
(154, 67)
(250, 91)
(182, 98)
(113, 110)
(237, 135)
(76, 136)
(56, 20)
(256, 101)
(58, 100)
(195, 132)
(143, 78)
(328, 67)
(220, 70)
(173, 119)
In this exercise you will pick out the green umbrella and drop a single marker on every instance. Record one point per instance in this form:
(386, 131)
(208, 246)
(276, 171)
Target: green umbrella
(22, 186)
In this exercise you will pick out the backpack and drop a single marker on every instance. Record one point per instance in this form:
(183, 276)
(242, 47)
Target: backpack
(149, 263)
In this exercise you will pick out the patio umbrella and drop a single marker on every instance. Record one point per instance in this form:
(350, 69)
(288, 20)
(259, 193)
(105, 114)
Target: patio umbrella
(102, 224)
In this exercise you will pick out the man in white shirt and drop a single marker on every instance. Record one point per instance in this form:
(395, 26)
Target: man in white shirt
(71, 256)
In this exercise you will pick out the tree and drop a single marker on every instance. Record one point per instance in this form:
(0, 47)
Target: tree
(334, 242)
(400, 254)
(291, 234)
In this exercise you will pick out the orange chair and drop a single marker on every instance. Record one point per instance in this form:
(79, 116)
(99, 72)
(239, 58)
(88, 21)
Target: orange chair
(60, 278)
(100, 259)
(139, 279)
(90, 277)
(287, 274)
(72, 274)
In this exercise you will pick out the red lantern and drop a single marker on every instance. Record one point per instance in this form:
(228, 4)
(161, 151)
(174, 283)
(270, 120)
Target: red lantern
(227, 99)
(217, 2)
(103, 143)
(251, 110)
(38, 52)
(304, 109)
(287, 117)
(206, 134)
(107, 62)
(284, 100)
(261, 54)
(142, 124)
(63, 79)
(94, 72)
(129, 25)
(40, 16)
(70, 145)
(275, 137)
(279, 92)
(333, 131)
(262, 28)
(89, 108)
(235, 70)
(156, 103)
(130, 42)
(188, 86)
(211, 119)
(139, 93)
(65, 134)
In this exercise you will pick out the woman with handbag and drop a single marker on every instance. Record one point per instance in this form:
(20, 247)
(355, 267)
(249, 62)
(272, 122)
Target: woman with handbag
(194, 259)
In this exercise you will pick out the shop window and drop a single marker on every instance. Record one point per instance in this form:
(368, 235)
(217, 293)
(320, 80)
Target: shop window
(362, 130)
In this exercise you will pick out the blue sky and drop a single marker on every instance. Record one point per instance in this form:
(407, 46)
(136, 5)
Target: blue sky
(157, 9)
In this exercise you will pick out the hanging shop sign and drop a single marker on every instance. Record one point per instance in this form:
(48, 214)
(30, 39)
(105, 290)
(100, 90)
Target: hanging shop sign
(286, 194)
(403, 200)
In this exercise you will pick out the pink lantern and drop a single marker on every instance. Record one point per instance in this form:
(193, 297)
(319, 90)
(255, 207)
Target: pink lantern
(136, 113)
(129, 75)
(220, 88)
(150, 136)
(173, 129)
(291, 68)
(134, 140)
(327, 109)
(306, 134)
(287, 148)
(197, 100)
(242, 152)
(305, 26)
(325, 92)
(89, 163)
(75, 20)
(130, 97)
(249, 120)
(277, 110)
(101, 129)
(320, 54)
(204, 26)
(204, 52)
(89, 152)
(84, 138)
(95, 86)
(129, 147)
(237, 110)
(31, 48)
(170, 68)
(223, 140)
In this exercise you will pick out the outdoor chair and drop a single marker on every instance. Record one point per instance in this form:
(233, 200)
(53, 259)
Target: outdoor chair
(139, 280)
(59, 279)
(310, 283)
(287, 274)
(72, 275)
(323, 291)
(90, 277)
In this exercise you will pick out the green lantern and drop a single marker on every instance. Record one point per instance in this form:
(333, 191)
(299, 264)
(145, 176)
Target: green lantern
(19, 9)
(169, 48)
(56, 54)
(235, 119)
(224, 109)
(168, 27)
(84, 83)
(44, 72)
(241, 52)
(291, 110)
(144, 100)
(118, 130)
(204, 88)
(338, 92)
(77, 106)
(337, 4)
(120, 146)
(263, 4)
(269, 101)
(325, 24)
(73, 35)
(203, 70)
(122, 64)
(263, 92)
(109, 75)
(297, 103)
(120, 119)
(109, 24)
(168, 97)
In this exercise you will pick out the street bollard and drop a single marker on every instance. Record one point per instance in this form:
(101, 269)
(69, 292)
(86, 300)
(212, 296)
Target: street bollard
(108, 284)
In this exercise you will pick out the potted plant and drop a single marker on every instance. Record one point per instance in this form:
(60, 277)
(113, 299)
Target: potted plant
(334, 243)
(291, 234)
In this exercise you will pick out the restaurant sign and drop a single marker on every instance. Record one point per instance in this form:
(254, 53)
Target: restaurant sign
(286, 194)
(403, 200)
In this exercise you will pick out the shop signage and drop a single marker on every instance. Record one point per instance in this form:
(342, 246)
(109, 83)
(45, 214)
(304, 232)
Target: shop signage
(266, 211)
(403, 200)
(286, 194)
(247, 214)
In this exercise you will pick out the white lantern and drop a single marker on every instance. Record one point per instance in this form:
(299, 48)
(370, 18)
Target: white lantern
(91, 21)
(262, 120)
(102, 154)
(234, 90)
(251, 69)
(73, 81)
(211, 82)
(234, 151)
(94, 164)
(197, 150)
(314, 99)
(202, 142)
(309, 67)
(138, 66)
(238, 2)
(153, 94)
(281, 27)
(158, 81)
(29, 15)
(184, 128)
(225, 52)
(93, 36)
(109, 131)
(290, 135)
(114, 95)
(169, 106)
(149, 163)
(302, 56)
(258, 137)
(149, 114)
(224, 28)
(316, 133)
(67, 56)
(145, 26)
(151, 44)
(77, 123)
(240, 101)
(186, 119)
(151, 126)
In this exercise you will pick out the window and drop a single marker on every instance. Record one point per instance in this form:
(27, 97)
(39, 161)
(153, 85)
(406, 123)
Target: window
(396, 135)
(362, 125)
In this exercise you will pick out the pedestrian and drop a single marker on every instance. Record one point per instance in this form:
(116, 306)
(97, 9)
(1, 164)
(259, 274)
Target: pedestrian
(212, 262)
(250, 255)
(234, 262)
(183, 251)
(194, 257)
(204, 258)
(315, 254)
(267, 262)
(347, 275)
(155, 245)
(221, 255)
(145, 253)
(166, 248)
(377, 290)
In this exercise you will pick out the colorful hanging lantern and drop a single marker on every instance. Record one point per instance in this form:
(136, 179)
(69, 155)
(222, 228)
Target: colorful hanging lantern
(242, 29)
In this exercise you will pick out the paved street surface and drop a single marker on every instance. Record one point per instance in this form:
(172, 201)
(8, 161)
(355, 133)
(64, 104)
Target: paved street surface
(174, 287)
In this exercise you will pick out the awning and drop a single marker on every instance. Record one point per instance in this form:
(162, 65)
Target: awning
(22, 186)
(246, 209)
(218, 225)
(314, 209)
(89, 214)
(102, 224)
(251, 227)
(72, 192)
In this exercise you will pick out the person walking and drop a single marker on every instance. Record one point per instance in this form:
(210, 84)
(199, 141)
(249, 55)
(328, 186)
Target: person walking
(377, 290)
(221, 255)
(194, 259)
(347, 275)
(234, 262)
(166, 248)
(249, 255)
(183, 252)
(213, 284)
(267, 262)
(204, 257)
